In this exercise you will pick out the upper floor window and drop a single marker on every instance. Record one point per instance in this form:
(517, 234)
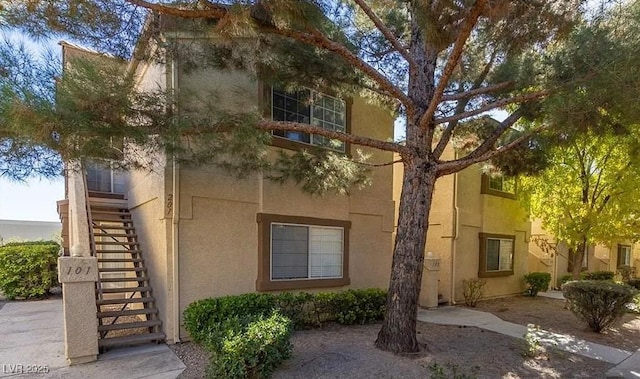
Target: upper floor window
(499, 185)
(624, 255)
(309, 107)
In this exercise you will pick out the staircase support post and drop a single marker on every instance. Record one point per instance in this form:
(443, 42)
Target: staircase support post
(78, 276)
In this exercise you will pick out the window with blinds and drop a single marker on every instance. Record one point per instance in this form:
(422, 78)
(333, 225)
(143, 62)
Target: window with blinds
(306, 251)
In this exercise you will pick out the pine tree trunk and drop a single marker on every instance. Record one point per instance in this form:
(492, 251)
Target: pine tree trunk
(398, 333)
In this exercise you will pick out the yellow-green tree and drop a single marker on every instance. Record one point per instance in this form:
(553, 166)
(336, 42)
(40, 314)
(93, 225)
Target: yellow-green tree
(589, 194)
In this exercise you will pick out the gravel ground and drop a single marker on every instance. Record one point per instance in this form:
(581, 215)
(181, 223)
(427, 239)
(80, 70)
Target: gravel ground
(551, 315)
(349, 352)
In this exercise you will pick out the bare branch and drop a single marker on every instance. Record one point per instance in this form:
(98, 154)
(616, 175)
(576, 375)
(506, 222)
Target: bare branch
(450, 167)
(386, 32)
(454, 58)
(494, 105)
(476, 92)
(344, 137)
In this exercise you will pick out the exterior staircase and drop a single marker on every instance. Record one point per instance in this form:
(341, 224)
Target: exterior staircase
(127, 314)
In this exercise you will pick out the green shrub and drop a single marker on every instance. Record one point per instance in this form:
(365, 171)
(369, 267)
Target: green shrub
(359, 306)
(210, 320)
(254, 352)
(635, 283)
(29, 269)
(536, 282)
(597, 275)
(599, 303)
(233, 328)
(472, 291)
(565, 278)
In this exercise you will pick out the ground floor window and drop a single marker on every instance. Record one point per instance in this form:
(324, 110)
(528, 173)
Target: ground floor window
(624, 255)
(301, 252)
(496, 255)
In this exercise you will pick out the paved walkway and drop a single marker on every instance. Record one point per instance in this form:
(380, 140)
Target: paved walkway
(627, 363)
(31, 337)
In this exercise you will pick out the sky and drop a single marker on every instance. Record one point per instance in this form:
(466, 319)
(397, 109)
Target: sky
(34, 200)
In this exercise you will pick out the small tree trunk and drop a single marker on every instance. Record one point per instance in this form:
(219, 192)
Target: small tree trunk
(581, 250)
(398, 333)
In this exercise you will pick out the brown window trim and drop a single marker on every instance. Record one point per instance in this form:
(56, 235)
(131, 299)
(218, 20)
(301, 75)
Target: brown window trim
(285, 143)
(264, 282)
(486, 190)
(482, 273)
(620, 246)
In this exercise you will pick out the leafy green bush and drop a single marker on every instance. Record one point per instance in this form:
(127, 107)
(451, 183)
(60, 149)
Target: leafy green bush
(472, 291)
(599, 303)
(246, 333)
(597, 275)
(536, 282)
(28, 269)
(254, 352)
(565, 278)
(635, 283)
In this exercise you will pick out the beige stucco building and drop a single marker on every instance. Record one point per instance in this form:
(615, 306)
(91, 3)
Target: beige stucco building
(477, 229)
(205, 233)
(546, 254)
(175, 234)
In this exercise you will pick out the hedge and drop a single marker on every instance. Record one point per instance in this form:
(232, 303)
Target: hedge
(28, 269)
(536, 282)
(248, 335)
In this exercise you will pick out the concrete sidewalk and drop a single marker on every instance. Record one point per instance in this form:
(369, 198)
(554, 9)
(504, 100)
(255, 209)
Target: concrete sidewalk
(627, 363)
(31, 342)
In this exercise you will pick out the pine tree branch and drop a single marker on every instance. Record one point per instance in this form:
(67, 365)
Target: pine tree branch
(490, 141)
(454, 58)
(340, 136)
(318, 39)
(379, 164)
(494, 105)
(215, 11)
(476, 91)
(450, 167)
(386, 32)
(314, 38)
(463, 101)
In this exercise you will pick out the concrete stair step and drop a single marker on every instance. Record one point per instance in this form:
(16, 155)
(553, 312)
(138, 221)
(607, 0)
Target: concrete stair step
(128, 312)
(133, 300)
(128, 279)
(125, 289)
(131, 340)
(123, 269)
(115, 235)
(133, 260)
(114, 227)
(130, 325)
(107, 251)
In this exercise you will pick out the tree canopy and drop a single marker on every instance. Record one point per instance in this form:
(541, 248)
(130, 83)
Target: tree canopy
(440, 65)
(589, 194)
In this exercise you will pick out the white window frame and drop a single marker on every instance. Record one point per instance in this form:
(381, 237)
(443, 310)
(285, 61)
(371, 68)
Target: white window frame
(341, 128)
(309, 267)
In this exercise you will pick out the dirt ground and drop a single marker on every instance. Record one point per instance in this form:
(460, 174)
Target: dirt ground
(552, 315)
(450, 351)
